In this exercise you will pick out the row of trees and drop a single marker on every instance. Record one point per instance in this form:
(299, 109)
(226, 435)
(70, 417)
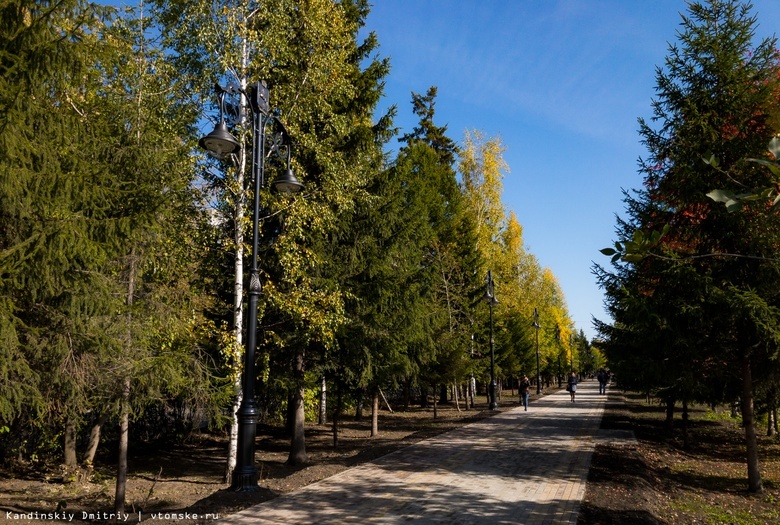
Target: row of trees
(695, 305)
(122, 246)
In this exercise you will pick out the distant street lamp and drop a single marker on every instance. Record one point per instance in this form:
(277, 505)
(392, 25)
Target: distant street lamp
(538, 372)
(571, 352)
(472, 383)
(560, 348)
(490, 298)
(220, 143)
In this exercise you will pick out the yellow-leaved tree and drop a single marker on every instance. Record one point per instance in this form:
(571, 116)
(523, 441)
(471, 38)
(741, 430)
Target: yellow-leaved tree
(521, 284)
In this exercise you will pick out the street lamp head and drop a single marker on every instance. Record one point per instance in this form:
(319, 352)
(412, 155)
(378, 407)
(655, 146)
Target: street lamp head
(490, 298)
(220, 143)
(288, 183)
(490, 294)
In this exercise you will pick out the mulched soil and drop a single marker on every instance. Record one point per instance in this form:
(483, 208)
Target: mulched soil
(662, 482)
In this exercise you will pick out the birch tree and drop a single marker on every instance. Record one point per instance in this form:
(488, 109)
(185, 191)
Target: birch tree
(309, 55)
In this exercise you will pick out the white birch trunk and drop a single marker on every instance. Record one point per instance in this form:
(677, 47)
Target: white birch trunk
(238, 317)
(323, 401)
(238, 283)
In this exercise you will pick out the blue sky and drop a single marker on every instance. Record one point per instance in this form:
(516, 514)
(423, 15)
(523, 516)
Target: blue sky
(562, 83)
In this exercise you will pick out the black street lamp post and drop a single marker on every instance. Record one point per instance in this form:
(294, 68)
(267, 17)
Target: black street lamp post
(560, 348)
(472, 383)
(571, 352)
(221, 144)
(538, 372)
(490, 298)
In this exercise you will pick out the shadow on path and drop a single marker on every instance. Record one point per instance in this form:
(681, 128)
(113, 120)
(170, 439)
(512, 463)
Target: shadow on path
(515, 467)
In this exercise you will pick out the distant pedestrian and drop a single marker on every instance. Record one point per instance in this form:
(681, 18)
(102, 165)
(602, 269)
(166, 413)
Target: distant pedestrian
(603, 378)
(571, 386)
(525, 391)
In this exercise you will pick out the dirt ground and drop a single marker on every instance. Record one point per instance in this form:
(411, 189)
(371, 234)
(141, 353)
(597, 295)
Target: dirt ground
(656, 482)
(661, 482)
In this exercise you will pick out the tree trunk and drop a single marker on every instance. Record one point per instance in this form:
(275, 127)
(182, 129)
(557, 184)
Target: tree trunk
(323, 402)
(230, 463)
(455, 392)
(686, 441)
(387, 404)
(238, 303)
(238, 327)
(375, 414)
(336, 414)
(121, 471)
(748, 422)
(69, 448)
(770, 423)
(443, 394)
(669, 424)
(298, 441)
(359, 406)
(423, 396)
(124, 402)
(289, 421)
(435, 406)
(94, 440)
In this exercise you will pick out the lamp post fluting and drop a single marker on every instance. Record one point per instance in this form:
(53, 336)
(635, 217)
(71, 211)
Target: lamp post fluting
(221, 144)
(490, 298)
(538, 372)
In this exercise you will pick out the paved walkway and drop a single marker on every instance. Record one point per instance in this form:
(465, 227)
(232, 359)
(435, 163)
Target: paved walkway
(515, 467)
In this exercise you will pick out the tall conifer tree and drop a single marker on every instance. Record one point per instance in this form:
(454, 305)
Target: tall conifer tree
(98, 213)
(712, 316)
(56, 232)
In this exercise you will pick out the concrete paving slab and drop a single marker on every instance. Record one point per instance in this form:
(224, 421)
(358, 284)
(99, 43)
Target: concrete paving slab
(515, 467)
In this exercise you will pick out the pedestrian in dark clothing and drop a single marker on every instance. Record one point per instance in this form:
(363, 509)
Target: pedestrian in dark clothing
(571, 386)
(525, 391)
(603, 378)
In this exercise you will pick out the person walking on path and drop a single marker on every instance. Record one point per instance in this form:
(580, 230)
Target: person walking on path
(571, 386)
(603, 378)
(525, 391)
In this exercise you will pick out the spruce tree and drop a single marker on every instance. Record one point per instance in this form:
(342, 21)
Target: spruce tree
(99, 223)
(55, 217)
(710, 315)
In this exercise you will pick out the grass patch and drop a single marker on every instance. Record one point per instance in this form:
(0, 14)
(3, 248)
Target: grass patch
(714, 512)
